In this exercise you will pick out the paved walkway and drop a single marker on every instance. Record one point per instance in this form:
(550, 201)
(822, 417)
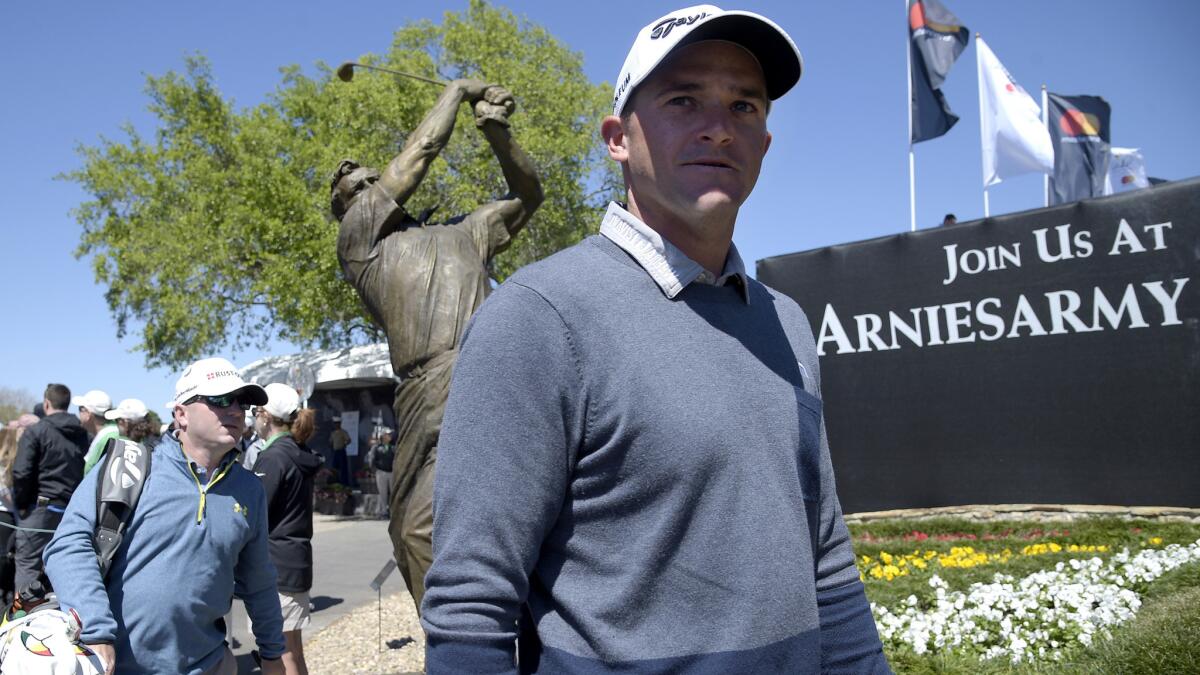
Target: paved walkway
(347, 554)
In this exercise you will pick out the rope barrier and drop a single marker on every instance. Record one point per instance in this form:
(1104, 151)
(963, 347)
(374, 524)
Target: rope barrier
(25, 529)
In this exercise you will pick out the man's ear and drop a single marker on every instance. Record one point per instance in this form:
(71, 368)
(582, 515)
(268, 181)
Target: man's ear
(612, 130)
(767, 144)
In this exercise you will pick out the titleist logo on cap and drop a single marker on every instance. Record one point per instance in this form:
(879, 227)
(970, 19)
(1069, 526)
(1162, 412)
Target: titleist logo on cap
(621, 89)
(663, 28)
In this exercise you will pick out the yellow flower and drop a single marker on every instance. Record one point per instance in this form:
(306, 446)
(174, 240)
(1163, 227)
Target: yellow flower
(1156, 541)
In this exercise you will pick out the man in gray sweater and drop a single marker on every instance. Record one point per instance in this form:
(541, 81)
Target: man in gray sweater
(633, 474)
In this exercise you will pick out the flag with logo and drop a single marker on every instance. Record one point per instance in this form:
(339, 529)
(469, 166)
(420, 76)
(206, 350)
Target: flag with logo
(1126, 171)
(936, 38)
(1015, 140)
(1080, 133)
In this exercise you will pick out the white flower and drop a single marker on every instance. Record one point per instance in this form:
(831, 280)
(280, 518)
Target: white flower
(1040, 614)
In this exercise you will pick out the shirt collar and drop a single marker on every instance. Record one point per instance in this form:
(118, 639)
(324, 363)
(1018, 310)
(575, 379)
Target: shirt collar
(670, 268)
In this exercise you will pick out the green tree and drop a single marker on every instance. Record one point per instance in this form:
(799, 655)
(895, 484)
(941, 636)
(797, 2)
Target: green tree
(14, 402)
(216, 231)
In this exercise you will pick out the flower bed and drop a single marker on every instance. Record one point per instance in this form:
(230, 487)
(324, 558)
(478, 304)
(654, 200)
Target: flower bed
(889, 566)
(1035, 617)
(1009, 596)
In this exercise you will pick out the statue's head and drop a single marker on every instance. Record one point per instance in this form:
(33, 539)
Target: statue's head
(347, 181)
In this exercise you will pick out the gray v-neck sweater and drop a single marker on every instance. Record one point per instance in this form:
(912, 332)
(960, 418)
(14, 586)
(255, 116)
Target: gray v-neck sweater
(639, 484)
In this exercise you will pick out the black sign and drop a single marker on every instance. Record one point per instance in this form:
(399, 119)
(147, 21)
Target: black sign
(1050, 356)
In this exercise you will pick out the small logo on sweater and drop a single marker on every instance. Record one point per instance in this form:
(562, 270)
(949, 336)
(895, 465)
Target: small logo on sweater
(238, 508)
(804, 376)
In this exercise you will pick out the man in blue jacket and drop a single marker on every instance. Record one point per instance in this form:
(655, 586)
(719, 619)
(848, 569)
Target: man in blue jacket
(197, 538)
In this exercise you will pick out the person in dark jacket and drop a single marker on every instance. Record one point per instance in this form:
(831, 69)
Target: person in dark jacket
(48, 468)
(286, 467)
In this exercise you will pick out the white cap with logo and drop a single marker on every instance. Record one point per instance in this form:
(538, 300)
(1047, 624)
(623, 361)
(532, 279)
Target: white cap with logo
(216, 377)
(776, 52)
(96, 401)
(128, 409)
(282, 401)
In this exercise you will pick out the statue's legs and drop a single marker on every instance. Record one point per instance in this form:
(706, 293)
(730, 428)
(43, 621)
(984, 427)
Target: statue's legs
(412, 531)
(420, 402)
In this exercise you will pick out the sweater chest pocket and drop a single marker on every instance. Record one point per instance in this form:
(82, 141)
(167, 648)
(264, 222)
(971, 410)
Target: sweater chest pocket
(808, 445)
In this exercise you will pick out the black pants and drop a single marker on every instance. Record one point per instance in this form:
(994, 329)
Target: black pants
(341, 464)
(28, 557)
(6, 558)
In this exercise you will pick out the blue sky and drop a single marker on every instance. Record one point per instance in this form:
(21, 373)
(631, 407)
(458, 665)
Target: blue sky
(837, 170)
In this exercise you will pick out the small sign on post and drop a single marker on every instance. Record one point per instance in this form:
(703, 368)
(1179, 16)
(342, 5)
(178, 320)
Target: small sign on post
(377, 585)
(388, 568)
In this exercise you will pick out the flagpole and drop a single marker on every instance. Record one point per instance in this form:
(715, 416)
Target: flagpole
(982, 139)
(1046, 120)
(912, 164)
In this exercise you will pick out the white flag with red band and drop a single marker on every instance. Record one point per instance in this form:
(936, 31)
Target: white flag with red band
(1015, 140)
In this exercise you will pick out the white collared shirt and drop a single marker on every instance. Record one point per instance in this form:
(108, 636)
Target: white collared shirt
(670, 268)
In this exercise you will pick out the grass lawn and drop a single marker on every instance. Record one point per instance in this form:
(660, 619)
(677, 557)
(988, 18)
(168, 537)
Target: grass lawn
(1105, 595)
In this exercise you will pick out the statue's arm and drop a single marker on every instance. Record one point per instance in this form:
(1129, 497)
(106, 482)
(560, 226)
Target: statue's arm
(406, 171)
(507, 215)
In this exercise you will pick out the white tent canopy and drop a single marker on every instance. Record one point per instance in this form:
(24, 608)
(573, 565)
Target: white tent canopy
(349, 367)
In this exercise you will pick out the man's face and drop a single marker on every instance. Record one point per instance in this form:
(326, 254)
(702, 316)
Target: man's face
(85, 416)
(694, 141)
(355, 181)
(205, 425)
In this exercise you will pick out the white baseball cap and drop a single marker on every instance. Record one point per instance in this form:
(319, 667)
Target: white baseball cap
(128, 409)
(215, 377)
(282, 401)
(776, 53)
(95, 401)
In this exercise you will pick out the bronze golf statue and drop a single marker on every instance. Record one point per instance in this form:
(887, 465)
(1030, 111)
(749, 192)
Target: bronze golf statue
(421, 281)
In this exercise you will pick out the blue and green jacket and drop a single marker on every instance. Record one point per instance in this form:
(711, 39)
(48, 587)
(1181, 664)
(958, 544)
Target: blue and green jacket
(190, 547)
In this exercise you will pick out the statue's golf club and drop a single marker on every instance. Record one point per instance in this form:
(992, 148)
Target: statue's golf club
(345, 73)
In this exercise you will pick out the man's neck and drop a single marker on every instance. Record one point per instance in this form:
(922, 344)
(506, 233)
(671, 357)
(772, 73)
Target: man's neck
(706, 243)
(208, 458)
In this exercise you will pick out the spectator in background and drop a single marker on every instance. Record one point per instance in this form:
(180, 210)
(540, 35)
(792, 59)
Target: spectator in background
(286, 467)
(92, 407)
(133, 422)
(48, 468)
(950, 219)
(25, 420)
(251, 443)
(339, 440)
(381, 458)
(8, 512)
